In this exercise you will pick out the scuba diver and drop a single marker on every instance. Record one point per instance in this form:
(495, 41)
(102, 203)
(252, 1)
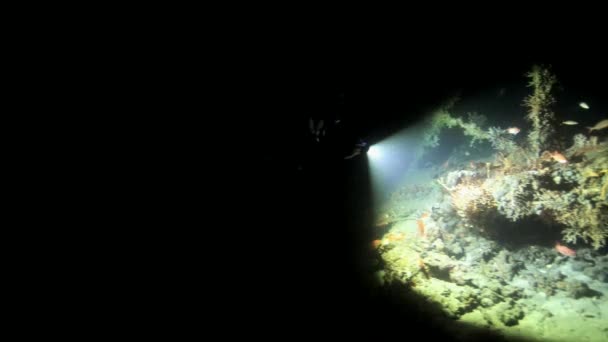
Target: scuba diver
(360, 147)
(318, 130)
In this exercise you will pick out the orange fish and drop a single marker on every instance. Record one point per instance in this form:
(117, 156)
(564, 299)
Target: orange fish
(558, 157)
(513, 130)
(424, 215)
(564, 250)
(376, 243)
(421, 228)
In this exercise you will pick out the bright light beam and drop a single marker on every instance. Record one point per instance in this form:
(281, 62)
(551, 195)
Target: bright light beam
(389, 161)
(374, 152)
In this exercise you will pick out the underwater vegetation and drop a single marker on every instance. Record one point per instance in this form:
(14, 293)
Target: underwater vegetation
(538, 177)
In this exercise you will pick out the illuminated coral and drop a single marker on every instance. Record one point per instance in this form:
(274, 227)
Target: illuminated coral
(587, 223)
(500, 140)
(532, 179)
(439, 120)
(539, 105)
(466, 199)
(442, 118)
(581, 211)
(512, 195)
(580, 141)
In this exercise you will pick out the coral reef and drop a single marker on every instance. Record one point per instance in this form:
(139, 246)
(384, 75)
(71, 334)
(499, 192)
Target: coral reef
(556, 195)
(467, 278)
(533, 179)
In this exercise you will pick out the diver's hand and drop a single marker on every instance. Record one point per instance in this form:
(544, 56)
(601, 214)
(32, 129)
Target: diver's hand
(356, 152)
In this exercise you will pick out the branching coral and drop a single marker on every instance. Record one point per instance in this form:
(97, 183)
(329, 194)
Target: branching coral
(504, 162)
(442, 118)
(526, 159)
(565, 176)
(500, 141)
(580, 142)
(589, 223)
(554, 201)
(469, 128)
(473, 127)
(589, 149)
(512, 194)
(580, 210)
(539, 105)
(593, 170)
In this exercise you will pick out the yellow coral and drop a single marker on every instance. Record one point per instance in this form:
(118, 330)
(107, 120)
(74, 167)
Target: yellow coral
(583, 213)
(586, 223)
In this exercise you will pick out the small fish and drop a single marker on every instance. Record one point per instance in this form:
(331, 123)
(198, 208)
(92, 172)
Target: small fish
(570, 123)
(564, 250)
(558, 157)
(600, 125)
(513, 130)
(583, 105)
